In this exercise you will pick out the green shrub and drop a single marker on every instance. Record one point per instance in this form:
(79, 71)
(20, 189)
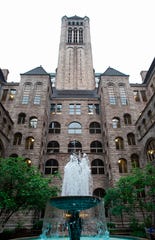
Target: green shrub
(38, 225)
(111, 225)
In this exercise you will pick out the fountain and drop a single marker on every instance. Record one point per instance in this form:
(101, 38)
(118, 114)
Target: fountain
(83, 213)
(76, 214)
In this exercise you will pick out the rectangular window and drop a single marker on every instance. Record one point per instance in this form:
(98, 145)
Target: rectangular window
(37, 100)
(56, 108)
(78, 109)
(123, 95)
(97, 109)
(13, 91)
(136, 96)
(93, 109)
(112, 97)
(90, 109)
(4, 95)
(71, 109)
(59, 108)
(94, 170)
(12, 94)
(123, 101)
(75, 109)
(53, 108)
(25, 99)
(143, 95)
(112, 100)
(74, 131)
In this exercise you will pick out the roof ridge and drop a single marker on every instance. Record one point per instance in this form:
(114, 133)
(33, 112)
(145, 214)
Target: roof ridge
(113, 72)
(36, 71)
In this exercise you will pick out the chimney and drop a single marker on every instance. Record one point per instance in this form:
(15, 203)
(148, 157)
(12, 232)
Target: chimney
(143, 75)
(5, 73)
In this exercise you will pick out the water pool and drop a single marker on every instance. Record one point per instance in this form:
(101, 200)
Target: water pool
(82, 238)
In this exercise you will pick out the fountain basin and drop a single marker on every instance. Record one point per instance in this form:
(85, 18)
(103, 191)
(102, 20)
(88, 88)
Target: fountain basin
(74, 203)
(83, 238)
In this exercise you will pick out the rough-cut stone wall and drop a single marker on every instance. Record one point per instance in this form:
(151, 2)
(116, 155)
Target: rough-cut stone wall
(112, 155)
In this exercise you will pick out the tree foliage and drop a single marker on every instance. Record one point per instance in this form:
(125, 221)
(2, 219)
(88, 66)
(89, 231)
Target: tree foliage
(132, 193)
(22, 188)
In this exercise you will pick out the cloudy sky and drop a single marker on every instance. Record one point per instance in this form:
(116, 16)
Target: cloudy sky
(122, 34)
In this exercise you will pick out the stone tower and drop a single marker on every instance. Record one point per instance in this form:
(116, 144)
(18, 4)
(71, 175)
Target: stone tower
(75, 65)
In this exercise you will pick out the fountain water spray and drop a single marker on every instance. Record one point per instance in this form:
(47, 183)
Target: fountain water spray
(77, 177)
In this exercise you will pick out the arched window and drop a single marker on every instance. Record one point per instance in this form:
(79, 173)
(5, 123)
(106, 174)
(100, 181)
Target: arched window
(74, 128)
(119, 143)
(51, 166)
(74, 146)
(94, 127)
(112, 97)
(135, 160)
(150, 150)
(69, 35)
(131, 139)
(116, 122)
(33, 122)
(54, 127)
(27, 86)
(122, 164)
(75, 35)
(53, 147)
(21, 118)
(99, 192)
(1, 149)
(80, 35)
(29, 144)
(14, 155)
(17, 138)
(97, 166)
(127, 119)
(96, 147)
(38, 86)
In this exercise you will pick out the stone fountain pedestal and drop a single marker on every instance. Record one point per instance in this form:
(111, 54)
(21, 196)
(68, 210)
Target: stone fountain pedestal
(73, 205)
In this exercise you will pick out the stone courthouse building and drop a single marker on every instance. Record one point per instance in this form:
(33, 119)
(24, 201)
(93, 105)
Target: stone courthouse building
(46, 116)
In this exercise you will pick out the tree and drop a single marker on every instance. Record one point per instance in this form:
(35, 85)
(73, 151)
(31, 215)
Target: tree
(149, 175)
(22, 187)
(134, 193)
(114, 201)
